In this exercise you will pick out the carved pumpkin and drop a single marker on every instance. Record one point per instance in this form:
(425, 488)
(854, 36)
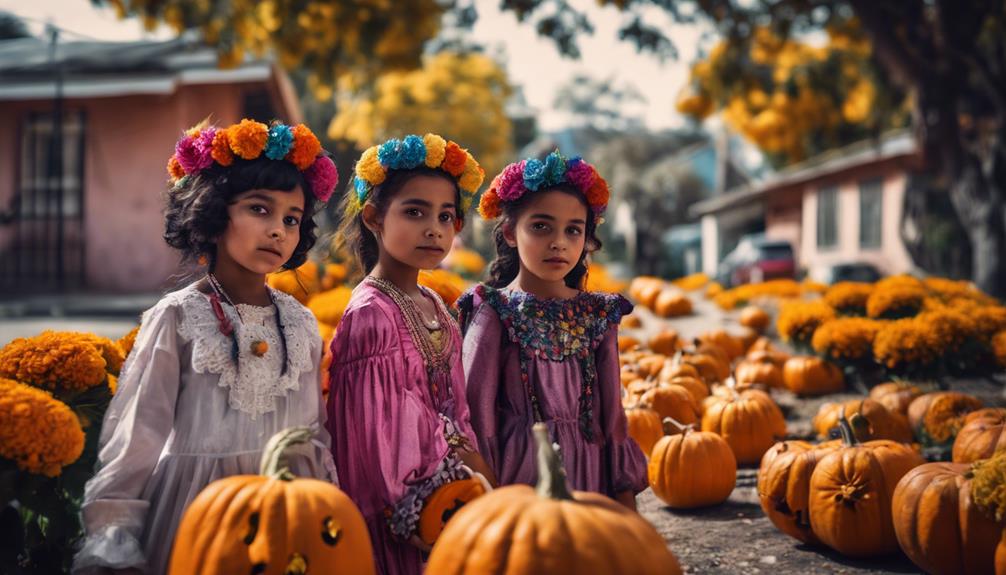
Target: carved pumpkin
(851, 491)
(761, 370)
(937, 417)
(502, 532)
(672, 303)
(784, 485)
(665, 342)
(684, 455)
(939, 525)
(755, 318)
(869, 420)
(644, 427)
(812, 376)
(983, 434)
(627, 342)
(672, 401)
(631, 321)
(443, 503)
(895, 395)
(749, 421)
(272, 523)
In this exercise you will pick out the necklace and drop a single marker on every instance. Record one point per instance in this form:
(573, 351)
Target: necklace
(259, 347)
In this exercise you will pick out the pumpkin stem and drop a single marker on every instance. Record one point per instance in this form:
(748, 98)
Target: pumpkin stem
(845, 428)
(732, 386)
(678, 356)
(669, 421)
(274, 463)
(551, 474)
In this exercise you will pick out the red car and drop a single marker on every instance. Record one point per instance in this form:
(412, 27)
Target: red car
(755, 260)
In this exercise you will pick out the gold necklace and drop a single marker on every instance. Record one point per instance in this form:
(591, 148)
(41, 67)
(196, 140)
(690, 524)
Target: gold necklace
(434, 347)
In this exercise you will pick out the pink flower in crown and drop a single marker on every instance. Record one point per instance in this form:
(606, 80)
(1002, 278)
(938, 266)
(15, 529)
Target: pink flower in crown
(205, 141)
(580, 174)
(511, 182)
(323, 177)
(192, 155)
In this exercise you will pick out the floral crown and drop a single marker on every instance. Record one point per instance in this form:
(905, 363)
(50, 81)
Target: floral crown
(411, 152)
(531, 175)
(203, 144)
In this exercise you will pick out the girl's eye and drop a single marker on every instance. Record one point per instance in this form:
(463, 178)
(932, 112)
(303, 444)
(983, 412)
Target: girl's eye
(539, 226)
(574, 231)
(447, 217)
(291, 221)
(414, 212)
(259, 209)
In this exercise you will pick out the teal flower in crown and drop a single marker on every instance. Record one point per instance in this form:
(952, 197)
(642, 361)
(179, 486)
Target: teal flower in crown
(555, 168)
(388, 154)
(279, 143)
(534, 174)
(362, 189)
(412, 152)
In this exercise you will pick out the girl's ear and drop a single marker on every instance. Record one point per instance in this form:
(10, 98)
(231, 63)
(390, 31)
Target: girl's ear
(371, 218)
(509, 235)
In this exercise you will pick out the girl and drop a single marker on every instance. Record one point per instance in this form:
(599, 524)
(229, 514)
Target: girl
(397, 412)
(221, 365)
(537, 347)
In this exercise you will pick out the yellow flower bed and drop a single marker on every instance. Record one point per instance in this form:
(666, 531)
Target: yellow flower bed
(301, 283)
(743, 294)
(466, 262)
(598, 280)
(334, 275)
(328, 306)
(849, 297)
(799, 319)
(691, 282)
(57, 360)
(950, 327)
(38, 432)
(895, 300)
(713, 289)
(906, 342)
(846, 338)
(447, 284)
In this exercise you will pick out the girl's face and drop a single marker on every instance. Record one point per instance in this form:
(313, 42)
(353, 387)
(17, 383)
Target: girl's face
(418, 227)
(550, 235)
(263, 229)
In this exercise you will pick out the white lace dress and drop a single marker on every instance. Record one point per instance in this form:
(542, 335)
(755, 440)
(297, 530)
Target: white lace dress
(185, 415)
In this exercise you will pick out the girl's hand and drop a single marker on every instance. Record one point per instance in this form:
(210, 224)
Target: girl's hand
(418, 543)
(475, 462)
(626, 498)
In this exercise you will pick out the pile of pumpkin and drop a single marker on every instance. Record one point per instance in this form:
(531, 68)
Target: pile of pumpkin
(658, 296)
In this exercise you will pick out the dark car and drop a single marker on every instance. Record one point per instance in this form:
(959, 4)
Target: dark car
(757, 259)
(846, 272)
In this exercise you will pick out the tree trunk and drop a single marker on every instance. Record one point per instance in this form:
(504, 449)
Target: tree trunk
(978, 193)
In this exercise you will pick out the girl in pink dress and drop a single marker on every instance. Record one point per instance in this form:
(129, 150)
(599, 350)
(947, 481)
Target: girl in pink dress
(397, 412)
(539, 348)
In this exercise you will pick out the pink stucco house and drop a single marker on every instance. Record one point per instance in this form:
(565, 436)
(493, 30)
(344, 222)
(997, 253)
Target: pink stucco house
(844, 206)
(123, 105)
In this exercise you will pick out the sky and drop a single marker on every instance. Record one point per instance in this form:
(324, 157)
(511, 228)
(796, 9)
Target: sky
(533, 63)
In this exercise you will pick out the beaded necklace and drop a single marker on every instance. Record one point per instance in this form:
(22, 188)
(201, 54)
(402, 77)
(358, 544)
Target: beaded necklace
(258, 347)
(436, 354)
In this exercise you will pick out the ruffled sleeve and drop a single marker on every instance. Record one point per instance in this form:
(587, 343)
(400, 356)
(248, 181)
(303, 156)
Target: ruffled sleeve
(388, 442)
(136, 427)
(481, 357)
(626, 463)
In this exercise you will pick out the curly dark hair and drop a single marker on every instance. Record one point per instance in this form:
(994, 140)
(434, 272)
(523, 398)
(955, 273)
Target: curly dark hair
(504, 268)
(196, 212)
(354, 235)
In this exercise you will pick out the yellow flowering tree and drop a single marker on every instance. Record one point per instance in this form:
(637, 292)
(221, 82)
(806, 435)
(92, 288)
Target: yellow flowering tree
(460, 96)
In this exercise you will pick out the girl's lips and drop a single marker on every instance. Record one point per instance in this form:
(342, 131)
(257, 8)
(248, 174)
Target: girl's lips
(556, 261)
(435, 249)
(271, 251)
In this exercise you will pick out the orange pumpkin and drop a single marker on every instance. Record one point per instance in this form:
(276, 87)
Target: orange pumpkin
(747, 337)
(812, 376)
(695, 386)
(784, 485)
(501, 533)
(937, 417)
(895, 395)
(648, 295)
(778, 358)
(677, 368)
(631, 321)
(637, 285)
(644, 427)
(443, 503)
(665, 342)
(627, 342)
(272, 523)
(939, 525)
(728, 343)
(684, 455)
(749, 421)
(650, 365)
(711, 368)
(672, 303)
(672, 401)
(869, 420)
(851, 491)
(761, 370)
(755, 318)
(983, 434)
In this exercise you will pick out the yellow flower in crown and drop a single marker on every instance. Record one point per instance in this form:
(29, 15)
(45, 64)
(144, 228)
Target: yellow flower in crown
(410, 152)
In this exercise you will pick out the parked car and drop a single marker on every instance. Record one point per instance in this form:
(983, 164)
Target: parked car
(756, 259)
(846, 272)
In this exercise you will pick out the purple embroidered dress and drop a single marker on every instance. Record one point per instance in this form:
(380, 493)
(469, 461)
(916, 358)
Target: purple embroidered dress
(393, 409)
(528, 359)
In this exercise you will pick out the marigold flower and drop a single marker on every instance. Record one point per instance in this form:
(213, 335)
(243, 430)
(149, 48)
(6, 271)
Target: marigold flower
(946, 414)
(906, 343)
(472, 177)
(126, 342)
(489, 205)
(38, 432)
(328, 306)
(175, 169)
(248, 138)
(306, 147)
(799, 320)
(448, 285)
(455, 158)
(55, 361)
(895, 300)
(369, 168)
(849, 297)
(221, 148)
(598, 194)
(436, 148)
(301, 283)
(846, 338)
(111, 352)
(988, 484)
(741, 295)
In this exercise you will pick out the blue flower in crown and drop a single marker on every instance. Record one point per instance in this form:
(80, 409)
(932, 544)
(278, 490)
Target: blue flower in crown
(279, 143)
(388, 154)
(362, 189)
(555, 168)
(534, 174)
(412, 152)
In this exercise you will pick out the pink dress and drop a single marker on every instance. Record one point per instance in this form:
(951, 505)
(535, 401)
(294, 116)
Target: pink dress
(390, 417)
(528, 359)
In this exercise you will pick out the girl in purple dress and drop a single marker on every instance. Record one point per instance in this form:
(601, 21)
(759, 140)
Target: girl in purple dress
(539, 348)
(397, 412)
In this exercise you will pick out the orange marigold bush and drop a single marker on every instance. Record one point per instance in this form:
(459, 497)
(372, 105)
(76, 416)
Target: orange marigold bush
(999, 348)
(988, 484)
(448, 285)
(127, 341)
(743, 294)
(906, 343)
(951, 328)
(38, 432)
(55, 361)
(849, 298)
(328, 306)
(798, 320)
(895, 300)
(111, 352)
(849, 338)
(988, 320)
(945, 416)
(301, 283)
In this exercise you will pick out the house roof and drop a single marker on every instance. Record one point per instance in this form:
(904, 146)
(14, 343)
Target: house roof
(888, 146)
(94, 69)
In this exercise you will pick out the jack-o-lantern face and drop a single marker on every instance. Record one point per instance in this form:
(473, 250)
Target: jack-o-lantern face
(272, 524)
(443, 503)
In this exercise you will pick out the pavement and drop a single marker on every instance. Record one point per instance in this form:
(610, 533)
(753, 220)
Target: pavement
(109, 315)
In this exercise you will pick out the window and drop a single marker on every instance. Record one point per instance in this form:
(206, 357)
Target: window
(40, 179)
(871, 199)
(827, 217)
